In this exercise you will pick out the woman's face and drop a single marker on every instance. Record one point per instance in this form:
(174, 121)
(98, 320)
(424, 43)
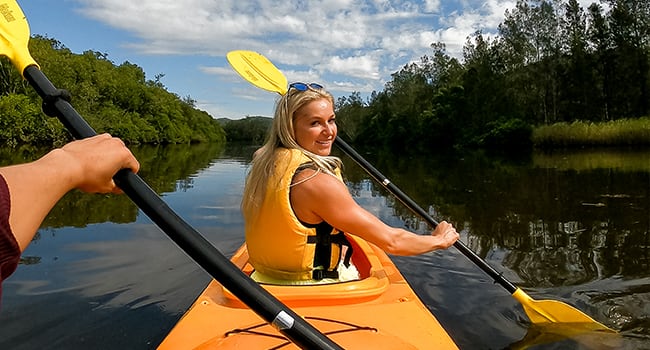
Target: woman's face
(315, 127)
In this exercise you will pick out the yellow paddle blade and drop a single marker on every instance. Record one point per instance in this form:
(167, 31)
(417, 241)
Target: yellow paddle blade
(553, 311)
(14, 35)
(258, 70)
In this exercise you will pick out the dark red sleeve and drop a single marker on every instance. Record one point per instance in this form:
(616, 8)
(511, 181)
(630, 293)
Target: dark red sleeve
(9, 249)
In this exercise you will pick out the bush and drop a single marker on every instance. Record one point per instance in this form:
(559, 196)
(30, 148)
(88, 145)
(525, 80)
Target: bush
(507, 133)
(621, 132)
(21, 121)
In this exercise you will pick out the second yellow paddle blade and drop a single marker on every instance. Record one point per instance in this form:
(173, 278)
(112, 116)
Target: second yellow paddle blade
(553, 311)
(14, 35)
(258, 70)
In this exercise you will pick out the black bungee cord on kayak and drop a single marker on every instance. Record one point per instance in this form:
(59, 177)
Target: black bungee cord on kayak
(351, 327)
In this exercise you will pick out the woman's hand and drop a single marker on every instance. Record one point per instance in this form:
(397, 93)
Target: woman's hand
(446, 235)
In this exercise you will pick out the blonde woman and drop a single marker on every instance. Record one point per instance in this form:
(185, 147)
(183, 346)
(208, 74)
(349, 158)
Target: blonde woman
(296, 206)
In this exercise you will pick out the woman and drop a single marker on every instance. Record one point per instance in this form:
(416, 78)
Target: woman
(296, 205)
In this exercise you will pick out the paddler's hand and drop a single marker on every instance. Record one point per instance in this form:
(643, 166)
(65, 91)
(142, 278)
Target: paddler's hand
(92, 162)
(446, 235)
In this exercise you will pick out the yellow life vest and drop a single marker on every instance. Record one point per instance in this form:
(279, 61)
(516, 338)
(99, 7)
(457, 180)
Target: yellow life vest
(279, 244)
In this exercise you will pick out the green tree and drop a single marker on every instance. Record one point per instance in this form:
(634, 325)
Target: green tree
(630, 34)
(350, 113)
(116, 99)
(249, 129)
(577, 78)
(482, 74)
(21, 121)
(530, 38)
(599, 37)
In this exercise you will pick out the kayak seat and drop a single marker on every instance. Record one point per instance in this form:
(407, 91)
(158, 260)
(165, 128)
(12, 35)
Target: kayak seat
(373, 282)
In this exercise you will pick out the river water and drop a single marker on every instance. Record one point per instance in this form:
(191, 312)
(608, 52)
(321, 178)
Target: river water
(567, 226)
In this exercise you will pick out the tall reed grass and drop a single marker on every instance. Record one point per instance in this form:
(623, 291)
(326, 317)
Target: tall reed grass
(622, 132)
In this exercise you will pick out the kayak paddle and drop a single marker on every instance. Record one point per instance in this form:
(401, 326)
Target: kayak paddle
(14, 32)
(256, 69)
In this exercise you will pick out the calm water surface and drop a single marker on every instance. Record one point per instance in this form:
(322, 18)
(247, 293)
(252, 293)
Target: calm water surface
(570, 226)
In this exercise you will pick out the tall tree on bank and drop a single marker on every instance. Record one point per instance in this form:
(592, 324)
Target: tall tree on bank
(630, 35)
(577, 80)
(599, 37)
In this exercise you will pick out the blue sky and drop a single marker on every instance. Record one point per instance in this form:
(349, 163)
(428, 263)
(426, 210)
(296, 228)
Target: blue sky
(346, 45)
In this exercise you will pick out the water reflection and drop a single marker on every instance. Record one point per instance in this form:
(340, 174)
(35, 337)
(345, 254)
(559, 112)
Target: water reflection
(572, 227)
(167, 168)
(565, 226)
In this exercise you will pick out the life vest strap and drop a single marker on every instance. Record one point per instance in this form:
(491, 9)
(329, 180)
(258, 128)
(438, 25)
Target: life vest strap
(323, 253)
(320, 274)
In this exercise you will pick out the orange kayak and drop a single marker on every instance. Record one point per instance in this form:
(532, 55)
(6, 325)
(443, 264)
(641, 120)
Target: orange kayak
(379, 311)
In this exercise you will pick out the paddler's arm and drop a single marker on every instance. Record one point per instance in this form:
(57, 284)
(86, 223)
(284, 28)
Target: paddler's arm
(35, 187)
(324, 197)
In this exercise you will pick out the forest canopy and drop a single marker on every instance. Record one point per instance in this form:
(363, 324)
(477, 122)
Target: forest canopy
(550, 62)
(117, 99)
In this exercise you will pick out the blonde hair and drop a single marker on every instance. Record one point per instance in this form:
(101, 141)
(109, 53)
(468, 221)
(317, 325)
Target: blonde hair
(282, 135)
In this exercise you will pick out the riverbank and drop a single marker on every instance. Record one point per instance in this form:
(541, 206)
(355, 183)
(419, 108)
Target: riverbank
(621, 132)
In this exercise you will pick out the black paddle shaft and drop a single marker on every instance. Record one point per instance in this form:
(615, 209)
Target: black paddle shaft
(414, 207)
(185, 236)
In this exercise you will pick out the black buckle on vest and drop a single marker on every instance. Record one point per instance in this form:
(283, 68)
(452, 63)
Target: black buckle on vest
(320, 274)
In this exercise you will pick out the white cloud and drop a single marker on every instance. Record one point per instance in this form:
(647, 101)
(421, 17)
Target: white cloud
(363, 40)
(360, 66)
(431, 5)
(221, 71)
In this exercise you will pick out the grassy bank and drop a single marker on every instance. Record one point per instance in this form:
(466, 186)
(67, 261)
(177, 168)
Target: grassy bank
(622, 132)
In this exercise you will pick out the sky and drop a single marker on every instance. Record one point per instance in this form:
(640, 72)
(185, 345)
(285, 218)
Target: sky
(345, 45)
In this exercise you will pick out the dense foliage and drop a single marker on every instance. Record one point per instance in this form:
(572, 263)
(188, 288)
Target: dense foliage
(551, 62)
(250, 129)
(115, 99)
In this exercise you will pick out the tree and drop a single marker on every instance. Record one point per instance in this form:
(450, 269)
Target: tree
(577, 80)
(249, 129)
(599, 36)
(350, 113)
(630, 34)
(529, 36)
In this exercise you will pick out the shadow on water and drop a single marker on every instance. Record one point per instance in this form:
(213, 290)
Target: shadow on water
(567, 226)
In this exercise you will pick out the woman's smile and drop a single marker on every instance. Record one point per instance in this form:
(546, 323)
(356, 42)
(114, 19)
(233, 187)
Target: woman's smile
(315, 127)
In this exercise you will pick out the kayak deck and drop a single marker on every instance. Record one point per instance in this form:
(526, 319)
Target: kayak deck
(380, 311)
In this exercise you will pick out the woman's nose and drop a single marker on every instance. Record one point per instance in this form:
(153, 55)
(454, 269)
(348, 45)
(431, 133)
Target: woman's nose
(328, 129)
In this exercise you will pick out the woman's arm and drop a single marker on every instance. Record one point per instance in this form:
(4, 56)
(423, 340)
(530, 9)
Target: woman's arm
(324, 197)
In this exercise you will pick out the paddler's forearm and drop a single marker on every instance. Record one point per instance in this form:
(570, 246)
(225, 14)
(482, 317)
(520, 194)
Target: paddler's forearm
(34, 190)
(403, 242)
